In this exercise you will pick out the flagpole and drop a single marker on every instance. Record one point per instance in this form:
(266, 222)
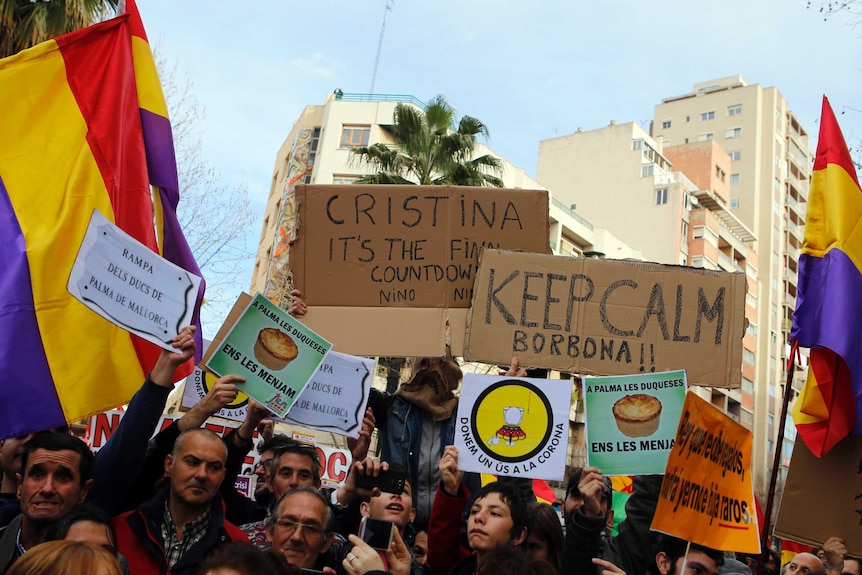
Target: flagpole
(779, 444)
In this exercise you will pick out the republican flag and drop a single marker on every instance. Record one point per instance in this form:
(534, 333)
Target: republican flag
(828, 315)
(84, 126)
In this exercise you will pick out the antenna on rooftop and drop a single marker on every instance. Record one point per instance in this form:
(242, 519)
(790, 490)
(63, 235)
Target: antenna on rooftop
(389, 5)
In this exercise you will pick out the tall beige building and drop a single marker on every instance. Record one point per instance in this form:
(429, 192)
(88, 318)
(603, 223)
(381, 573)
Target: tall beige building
(671, 203)
(769, 178)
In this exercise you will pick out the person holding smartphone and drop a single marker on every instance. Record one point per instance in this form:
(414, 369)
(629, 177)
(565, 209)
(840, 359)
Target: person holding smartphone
(385, 497)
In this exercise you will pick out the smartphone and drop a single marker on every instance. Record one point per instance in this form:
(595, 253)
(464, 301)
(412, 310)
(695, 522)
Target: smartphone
(391, 481)
(376, 533)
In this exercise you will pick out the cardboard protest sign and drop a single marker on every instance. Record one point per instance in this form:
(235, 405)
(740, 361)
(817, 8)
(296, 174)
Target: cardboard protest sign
(607, 317)
(631, 421)
(275, 353)
(409, 255)
(200, 382)
(513, 426)
(707, 496)
(335, 398)
(131, 286)
(823, 497)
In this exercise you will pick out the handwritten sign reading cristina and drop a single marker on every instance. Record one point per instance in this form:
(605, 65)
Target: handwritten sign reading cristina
(407, 246)
(131, 286)
(275, 353)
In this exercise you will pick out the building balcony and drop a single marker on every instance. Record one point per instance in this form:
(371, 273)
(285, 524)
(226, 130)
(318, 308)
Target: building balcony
(725, 262)
(796, 206)
(402, 98)
(795, 229)
(790, 300)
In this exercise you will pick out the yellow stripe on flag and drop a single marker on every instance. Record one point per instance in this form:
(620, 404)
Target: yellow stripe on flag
(54, 221)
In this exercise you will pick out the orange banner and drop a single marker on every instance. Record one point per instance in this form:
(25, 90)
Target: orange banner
(707, 496)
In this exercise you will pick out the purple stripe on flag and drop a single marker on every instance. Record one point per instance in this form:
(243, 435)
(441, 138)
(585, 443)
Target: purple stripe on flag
(28, 400)
(161, 161)
(176, 249)
(830, 316)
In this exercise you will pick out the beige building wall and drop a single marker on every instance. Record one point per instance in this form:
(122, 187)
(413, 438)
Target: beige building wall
(613, 175)
(768, 188)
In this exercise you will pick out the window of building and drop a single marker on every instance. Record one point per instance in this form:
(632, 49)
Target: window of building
(770, 445)
(731, 133)
(735, 156)
(771, 390)
(776, 184)
(637, 144)
(697, 232)
(751, 329)
(344, 180)
(661, 196)
(647, 170)
(734, 110)
(747, 386)
(704, 116)
(705, 137)
(665, 125)
(748, 356)
(734, 203)
(751, 299)
(684, 231)
(746, 416)
(683, 259)
(735, 179)
(720, 174)
(688, 118)
(771, 419)
(697, 261)
(355, 136)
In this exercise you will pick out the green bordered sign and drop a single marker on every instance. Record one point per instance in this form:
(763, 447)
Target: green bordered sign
(631, 421)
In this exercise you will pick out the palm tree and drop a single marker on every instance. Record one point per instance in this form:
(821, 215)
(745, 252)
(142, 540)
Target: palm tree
(430, 150)
(25, 23)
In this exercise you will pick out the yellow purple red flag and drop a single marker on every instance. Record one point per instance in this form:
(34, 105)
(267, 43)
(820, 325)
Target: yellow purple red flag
(84, 127)
(828, 315)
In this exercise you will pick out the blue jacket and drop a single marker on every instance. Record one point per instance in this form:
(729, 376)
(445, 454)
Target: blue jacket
(400, 425)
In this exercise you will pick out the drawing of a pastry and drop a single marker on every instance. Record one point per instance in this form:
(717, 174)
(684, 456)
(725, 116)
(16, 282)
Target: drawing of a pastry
(637, 415)
(274, 349)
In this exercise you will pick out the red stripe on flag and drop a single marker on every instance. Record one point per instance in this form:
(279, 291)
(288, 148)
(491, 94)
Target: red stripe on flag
(831, 147)
(135, 20)
(114, 132)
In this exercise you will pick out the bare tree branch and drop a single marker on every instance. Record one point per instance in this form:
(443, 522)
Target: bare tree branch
(215, 218)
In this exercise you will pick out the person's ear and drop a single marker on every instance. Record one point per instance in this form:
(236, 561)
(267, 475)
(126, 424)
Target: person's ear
(520, 538)
(662, 561)
(610, 520)
(364, 509)
(18, 477)
(84, 490)
(169, 459)
(326, 544)
(412, 515)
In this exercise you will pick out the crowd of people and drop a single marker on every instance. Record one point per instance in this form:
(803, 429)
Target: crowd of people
(164, 504)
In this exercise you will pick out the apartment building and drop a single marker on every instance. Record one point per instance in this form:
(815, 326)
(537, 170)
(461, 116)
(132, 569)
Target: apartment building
(671, 202)
(768, 178)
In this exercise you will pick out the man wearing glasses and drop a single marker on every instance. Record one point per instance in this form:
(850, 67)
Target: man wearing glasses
(301, 526)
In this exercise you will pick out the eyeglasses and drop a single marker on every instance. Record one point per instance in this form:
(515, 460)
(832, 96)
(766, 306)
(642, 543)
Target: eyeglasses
(309, 532)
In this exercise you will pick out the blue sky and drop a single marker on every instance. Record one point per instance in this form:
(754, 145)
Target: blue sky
(529, 70)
